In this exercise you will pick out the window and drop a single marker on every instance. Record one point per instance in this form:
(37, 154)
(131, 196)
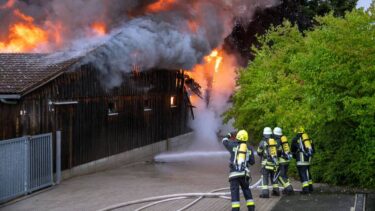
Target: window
(173, 102)
(112, 109)
(147, 105)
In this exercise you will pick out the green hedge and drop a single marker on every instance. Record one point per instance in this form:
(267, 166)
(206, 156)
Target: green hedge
(323, 79)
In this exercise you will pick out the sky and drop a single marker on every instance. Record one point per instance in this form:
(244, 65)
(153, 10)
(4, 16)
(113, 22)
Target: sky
(364, 3)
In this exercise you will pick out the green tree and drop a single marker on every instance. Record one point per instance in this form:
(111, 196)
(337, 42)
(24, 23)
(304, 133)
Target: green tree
(323, 80)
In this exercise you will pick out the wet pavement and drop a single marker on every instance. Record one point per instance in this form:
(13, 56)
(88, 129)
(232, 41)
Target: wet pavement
(141, 180)
(197, 174)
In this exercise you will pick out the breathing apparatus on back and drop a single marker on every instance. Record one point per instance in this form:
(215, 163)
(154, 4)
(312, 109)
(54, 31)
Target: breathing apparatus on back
(285, 146)
(241, 155)
(305, 145)
(277, 131)
(272, 149)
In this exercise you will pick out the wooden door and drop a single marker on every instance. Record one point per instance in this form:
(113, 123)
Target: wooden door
(65, 123)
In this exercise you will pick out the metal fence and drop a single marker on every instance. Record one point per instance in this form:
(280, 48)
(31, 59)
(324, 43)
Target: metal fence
(25, 165)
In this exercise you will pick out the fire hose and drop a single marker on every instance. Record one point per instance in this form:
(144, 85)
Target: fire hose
(161, 199)
(166, 198)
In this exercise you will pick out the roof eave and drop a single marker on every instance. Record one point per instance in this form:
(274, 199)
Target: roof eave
(52, 77)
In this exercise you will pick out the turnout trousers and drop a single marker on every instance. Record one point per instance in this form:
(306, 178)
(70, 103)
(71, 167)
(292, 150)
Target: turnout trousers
(235, 184)
(305, 176)
(268, 175)
(283, 178)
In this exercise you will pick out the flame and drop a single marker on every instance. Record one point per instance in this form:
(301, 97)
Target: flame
(9, 4)
(22, 16)
(99, 28)
(55, 31)
(215, 58)
(216, 77)
(23, 37)
(160, 5)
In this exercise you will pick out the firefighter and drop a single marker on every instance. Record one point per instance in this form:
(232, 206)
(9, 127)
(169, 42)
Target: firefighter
(284, 159)
(269, 153)
(303, 150)
(241, 156)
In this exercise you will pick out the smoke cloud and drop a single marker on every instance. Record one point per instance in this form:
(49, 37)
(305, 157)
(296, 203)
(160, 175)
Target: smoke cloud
(168, 34)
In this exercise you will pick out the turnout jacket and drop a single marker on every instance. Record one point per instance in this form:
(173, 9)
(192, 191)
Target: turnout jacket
(263, 153)
(233, 147)
(300, 152)
(284, 157)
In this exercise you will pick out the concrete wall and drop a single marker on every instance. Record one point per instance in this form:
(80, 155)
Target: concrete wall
(142, 154)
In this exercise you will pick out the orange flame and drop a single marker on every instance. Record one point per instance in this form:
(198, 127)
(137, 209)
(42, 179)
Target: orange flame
(24, 17)
(8, 5)
(23, 37)
(160, 5)
(217, 74)
(216, 58)
(99, 28)
(55, 30)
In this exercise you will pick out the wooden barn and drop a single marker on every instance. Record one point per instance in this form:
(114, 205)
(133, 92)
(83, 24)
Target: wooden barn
(37, 97)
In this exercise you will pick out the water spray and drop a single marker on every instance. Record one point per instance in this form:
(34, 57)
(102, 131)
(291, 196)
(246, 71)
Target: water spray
(188, 156)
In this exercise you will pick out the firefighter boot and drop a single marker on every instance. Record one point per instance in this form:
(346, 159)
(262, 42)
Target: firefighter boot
(311, 188)
(251, 208)
(264, 194)
(305, 191)
(305, 188)
(275, 192)
(288, 190)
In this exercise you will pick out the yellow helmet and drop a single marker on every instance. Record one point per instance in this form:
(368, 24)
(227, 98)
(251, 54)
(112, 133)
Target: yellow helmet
(242, 136)
(299, 129)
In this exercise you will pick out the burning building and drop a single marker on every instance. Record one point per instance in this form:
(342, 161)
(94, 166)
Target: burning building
(95, 122)
(109, 73)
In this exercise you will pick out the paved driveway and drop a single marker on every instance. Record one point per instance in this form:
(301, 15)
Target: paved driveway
(141, 180)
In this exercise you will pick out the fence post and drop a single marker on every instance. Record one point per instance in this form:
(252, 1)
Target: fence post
(58, 157)
(27, 166)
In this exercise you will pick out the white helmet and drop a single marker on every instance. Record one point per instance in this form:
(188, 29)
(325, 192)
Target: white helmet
(277, 131)
(267, 131)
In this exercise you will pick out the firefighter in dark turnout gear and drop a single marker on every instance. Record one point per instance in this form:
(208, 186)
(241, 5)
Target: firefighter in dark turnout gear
(241, 156)
(303, 149)
(269, 152)
(284, 159)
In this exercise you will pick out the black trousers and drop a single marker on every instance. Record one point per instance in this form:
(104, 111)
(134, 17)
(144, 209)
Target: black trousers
(283, 177)
(235, 184)
(305, 177)
(268, 175)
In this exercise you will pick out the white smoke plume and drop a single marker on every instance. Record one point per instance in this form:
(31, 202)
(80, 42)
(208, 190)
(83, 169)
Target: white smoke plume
(208, 123)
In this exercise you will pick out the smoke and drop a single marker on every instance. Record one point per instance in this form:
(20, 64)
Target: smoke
(218, 86)
(168, 34)
(148, 43)
(147, 34)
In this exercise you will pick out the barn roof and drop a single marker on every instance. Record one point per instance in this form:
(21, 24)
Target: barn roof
(21, 73)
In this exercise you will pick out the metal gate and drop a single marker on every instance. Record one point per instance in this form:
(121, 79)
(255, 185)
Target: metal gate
(25, 165)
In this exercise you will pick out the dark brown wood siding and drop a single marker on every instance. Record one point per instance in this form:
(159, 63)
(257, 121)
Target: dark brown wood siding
(89, 131)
